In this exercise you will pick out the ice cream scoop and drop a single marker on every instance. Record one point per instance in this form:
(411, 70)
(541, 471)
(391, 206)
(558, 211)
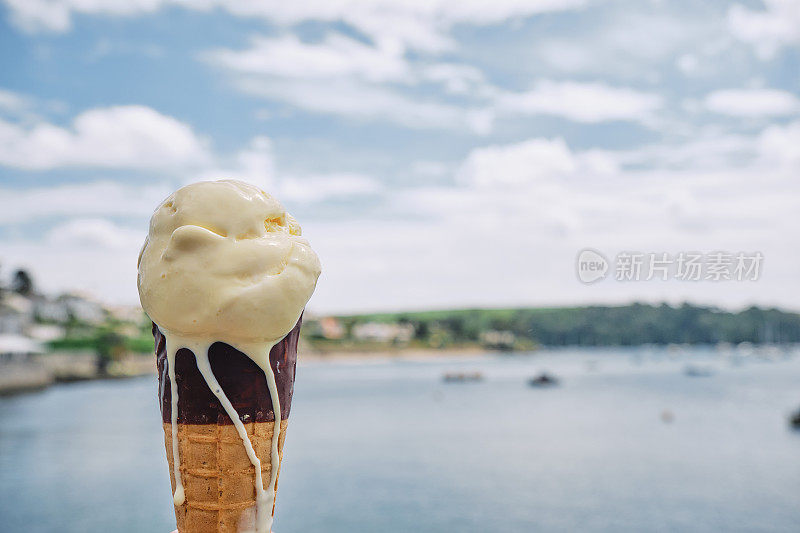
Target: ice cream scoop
(224, 274)
(224, 261)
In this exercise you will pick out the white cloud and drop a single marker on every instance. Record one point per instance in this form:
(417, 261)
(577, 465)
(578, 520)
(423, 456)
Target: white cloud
(338, 56)
(255, 164)
(524, 163)
(90, 201)
(431, 169)
(634, 41)
(94, 232)
(36, 15)
(456, 78)
(688, 63)
(505, 232)
(543, 186)
(335, 56)
(112, 137)
(20, 107)
(752, 102)
(582, 102)
(780, 146)
(539, 184)
(365, 102)
(421, 25)
(11, 101)
(706, 150)
(310, 189)
(484, 242)
(93, 199)
(769, 29)
(497, 225)
(105, 47)
(346, 77)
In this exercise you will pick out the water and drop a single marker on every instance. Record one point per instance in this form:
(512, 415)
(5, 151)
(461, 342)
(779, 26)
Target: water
(386, 446)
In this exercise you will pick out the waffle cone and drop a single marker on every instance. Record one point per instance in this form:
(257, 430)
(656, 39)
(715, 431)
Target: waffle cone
(217, 475)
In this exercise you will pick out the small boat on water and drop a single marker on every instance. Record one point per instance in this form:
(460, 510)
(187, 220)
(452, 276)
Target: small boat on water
(794, 419)
(543, 380)
(696, 371)
(462, 377)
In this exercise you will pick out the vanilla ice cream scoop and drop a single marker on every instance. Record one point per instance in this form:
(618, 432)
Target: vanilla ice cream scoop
(223, 259)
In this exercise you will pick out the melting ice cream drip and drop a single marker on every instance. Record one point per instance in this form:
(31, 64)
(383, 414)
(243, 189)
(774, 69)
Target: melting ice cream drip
(265, 500)
(263, 351)
(178, 496)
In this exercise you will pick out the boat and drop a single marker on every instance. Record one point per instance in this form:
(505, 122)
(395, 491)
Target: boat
(695, 371)
(794, 419)
(462, 377)
(543, 380)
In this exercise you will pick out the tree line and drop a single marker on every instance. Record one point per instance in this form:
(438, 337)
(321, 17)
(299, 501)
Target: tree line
(625, 325)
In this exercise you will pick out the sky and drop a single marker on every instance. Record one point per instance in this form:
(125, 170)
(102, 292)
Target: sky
(438, 153)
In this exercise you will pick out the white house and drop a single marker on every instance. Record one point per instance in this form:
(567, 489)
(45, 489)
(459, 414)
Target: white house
(16, 313)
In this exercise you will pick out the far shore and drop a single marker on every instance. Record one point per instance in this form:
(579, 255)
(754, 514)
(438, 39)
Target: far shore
(39, 372)
(389, 353)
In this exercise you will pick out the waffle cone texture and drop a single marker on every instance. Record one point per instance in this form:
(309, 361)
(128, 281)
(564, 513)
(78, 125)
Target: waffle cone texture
(218, 478)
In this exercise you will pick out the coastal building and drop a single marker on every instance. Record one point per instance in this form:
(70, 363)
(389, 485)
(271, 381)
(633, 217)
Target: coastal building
(379, 332)
(15, 347)
(16, 313)
(45, 332)
(331, 328)
(49, 310)
(127, 313)
(69, 306)
(498, 340)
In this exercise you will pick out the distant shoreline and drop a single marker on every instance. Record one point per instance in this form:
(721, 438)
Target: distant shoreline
(42, 371)
(389, 353)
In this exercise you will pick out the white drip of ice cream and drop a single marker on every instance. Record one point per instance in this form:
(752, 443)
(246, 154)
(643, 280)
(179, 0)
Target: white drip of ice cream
(263, 363)
(265, 499)
(178, 496)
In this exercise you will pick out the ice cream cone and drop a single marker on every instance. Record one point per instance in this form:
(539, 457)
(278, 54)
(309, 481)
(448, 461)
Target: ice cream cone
(224, 275)
(217, 474)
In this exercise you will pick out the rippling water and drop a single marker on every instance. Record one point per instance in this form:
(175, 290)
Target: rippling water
(387, 446)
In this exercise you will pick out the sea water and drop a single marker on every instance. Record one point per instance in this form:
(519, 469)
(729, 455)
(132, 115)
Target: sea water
(627, 441)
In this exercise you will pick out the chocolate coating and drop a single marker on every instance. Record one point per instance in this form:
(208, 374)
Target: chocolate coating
(243, 382)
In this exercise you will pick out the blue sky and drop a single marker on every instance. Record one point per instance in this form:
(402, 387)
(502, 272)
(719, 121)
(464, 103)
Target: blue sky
(437, 153)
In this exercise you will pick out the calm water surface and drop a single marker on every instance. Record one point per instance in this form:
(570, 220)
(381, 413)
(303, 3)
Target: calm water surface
(387, 446)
